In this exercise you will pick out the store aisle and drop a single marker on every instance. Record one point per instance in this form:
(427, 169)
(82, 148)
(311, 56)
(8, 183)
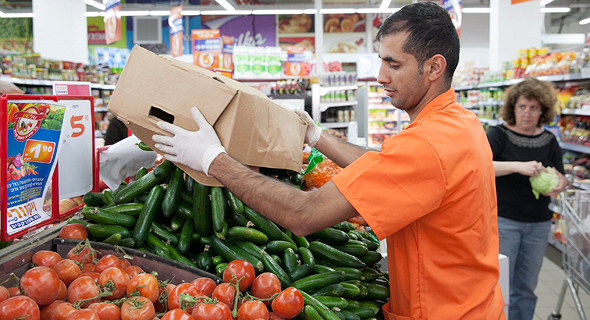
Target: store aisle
(548, 288)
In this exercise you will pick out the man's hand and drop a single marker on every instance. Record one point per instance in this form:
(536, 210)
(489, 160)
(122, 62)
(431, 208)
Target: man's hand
(313, 133)
(195, 149)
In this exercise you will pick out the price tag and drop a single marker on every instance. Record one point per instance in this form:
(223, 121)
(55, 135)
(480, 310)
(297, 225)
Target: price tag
(38, 151)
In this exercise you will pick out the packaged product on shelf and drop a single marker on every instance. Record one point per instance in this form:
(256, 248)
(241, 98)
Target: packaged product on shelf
(273, 62)
(242, 63)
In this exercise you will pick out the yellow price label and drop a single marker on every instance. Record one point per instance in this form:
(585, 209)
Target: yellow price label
(38, 151)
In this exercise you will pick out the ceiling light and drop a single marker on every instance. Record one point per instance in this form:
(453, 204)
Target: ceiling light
(555, 10)
(377, 10)
(95, 4)
(545, 2)
(310, 11)
(277, 11)
(585, 21)
(134, 13)
(18, 15)
(342, 10)
(190, 12)
(159, 13)
(226, 5)
(476, 10)
(221, 12)
(385, 4)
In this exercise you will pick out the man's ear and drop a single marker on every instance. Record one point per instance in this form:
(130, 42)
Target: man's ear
(435, 67)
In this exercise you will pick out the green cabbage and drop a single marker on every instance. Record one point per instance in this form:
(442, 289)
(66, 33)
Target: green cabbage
(544, 182)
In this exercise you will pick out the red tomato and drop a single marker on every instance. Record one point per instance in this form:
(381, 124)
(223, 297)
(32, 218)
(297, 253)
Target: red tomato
(207, 311)
(252, 310)
(40, 284)
(73, 231)
(239, 269)
(83, 314)
(83, 288)
(137, 308)
(146, 284)
(118, 277)
(63, 290)
(14, 291)
(46, 258)
(67, 270)
(62, 311)
(88, 267)
(226, 293)
(288, 303)
(177, 314)
(173, 302)
(265, 285)
(124, 263)
(132, 271)
(158, 305)
(106, 311)
(93, 275)
(205, 285)
(273, 316)
(21, 307)
(47, 311)
(106, 262)
(81, 255)
(4, 294)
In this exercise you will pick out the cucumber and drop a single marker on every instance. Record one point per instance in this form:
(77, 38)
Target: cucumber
(103, 231)
(237, 220)
(173, 190)
(350, 290)
(371, 258)
(162, 252)
(175, 255)
(107, 198)
(230, 251)
(247, 234)
(113, 239)
(187, 197)
(217, 260)
(369, 275)
(286, 236)
(236, 205)
(105, 216)
(218, 204)
(372, 246)
(263, 224)
(132, 209)
(140, 173)
(220, 268)
(204, 261)
(84, 223)
(176, 222)
(148, 214)
(195, 237)
(311, 313)
(159, 231)
(331, 236)
(93, 199)
(317, 281)
(184, 211)
(122, 185)
(357, 242)
(190, 184)
(353, 303)
(318, 268)
(306, 257)
(142, 198)
(299, 272)
(351, 273)
(349, 315)
(376, 292)
(144, 250)
(277, 259)
(344, 226)
(353, 236)
(221, 234)
(371, 305)
(202, 210)
(297, 179)
(332, 302)
(205, 241)
(335, 290)
(279, 246)
(356, 283)
(301, 241)
(250, 247)
(289, 261)
(184, 241)
(334, 256)
(363, 292)
(324, 311)
(152, 241)
(360, 233)
(143, 146)
(127, 242)
(339, 314)
(144, 183)
(362, 312)
(272, 266)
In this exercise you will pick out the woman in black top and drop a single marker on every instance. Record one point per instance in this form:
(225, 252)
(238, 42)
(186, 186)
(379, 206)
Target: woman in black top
(524, 223)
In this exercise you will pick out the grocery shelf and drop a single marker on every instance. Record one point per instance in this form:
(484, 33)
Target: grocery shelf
(555, 208)
(48, 83)
(553, 78)
(583, 186)
(382, 120)
(575, 147)
(489, 103)
(333, 125)
(580, 112)
(376, 107)
(558, 245)
(492, 122)
(324, 90)
(325, 105)
(101, 109)
(382, 131)
(377, 95)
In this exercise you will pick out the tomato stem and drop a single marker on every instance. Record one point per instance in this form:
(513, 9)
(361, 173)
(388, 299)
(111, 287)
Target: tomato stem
(185, 301)
(236, 285)
(16, 280)
(78, 304)
(119, 249)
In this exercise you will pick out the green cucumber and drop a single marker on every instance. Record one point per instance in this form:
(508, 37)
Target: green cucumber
(350, 290)
(237, 220)
(297, 179)
(301, 241)
(376, 292)
(184, 241)
(247, 234)
(230, 251)
(163, 234)
(221, 234)
(142, 198)
(335, 290)
(176, 222)
(202, 210)
(289, 261)
(187, 197)
(78, 221)
(205, 241)
(344, 226)
(105, 216)
(362, 312)
(107, 199)
(250, 247)
(219, 268)
(122, 185)
(152, 241)
(144, 183)
(263, 224)
(332, 302)
(175, 255)
(334, 256)
(93, 199)
(372, 246)
(324, 311)
(369, 275)
(148, 214)
(127, 242)
(144, 250)
(311, 313)
(349, 315)
(195, 237)
(371, 258)
(371, 305)
(363, 292)
(306, 257)
(236, 205)
(173, 190)
(279, 246)
(190, 184)
(353, 303)
(132, 209)
(140, 173)
(361, 233)
(143, 146)
(271, 265)
(299, 272)
(339, 314)
(317, 281)
(204, 261)
(331, 236)
(184, 211)
(113, 239)
(351, 273)
(277, 259)
(103, 231)
(318, 268)
(218, 204)
(162, 252)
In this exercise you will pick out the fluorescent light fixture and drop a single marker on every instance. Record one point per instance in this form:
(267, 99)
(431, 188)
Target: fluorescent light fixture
(134, 13)
(159, 13)
(310, 11)
(555, 10)
(585, 21)
(95, 4)
(377, 10)
(18, 15)
(221, 12)
(286, 11)
(226, 5)
(385, 4)
(342, 10)
(476, 10)
(94, 14)
(545, 2)
(190, 12)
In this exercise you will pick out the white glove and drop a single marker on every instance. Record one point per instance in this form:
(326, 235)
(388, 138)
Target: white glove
(195, 149)
(313, 133)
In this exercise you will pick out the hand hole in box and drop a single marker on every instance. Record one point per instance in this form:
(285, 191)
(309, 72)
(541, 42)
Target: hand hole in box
(161, 114)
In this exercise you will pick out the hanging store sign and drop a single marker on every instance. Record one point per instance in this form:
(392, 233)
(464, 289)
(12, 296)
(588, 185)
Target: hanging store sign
(112, 20)
(175, 22)
(206, 48)
(453, 7)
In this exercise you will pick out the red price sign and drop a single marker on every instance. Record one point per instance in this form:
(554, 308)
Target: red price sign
(38, 151)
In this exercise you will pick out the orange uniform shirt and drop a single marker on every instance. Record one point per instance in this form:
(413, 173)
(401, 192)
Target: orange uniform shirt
(431, 193)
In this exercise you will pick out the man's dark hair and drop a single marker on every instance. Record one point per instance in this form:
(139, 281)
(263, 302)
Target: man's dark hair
(430, 32)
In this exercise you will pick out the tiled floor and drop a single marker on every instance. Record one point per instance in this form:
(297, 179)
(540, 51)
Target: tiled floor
(548, 289)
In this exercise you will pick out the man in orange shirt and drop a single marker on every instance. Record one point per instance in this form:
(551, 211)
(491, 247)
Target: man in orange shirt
(430, 191)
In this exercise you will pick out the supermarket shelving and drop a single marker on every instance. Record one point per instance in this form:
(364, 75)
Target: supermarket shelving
(325, 105)
(575, 147)
(334, 125)
(506, 83)
(318, 106)
(578, 112)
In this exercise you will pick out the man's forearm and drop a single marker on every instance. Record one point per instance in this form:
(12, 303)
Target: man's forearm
(339, 151)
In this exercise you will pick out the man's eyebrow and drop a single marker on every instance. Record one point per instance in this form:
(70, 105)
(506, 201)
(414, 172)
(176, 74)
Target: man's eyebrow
(388, 59)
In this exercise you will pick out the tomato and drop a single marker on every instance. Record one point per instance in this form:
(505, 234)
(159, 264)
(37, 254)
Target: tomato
(265, 285)
(288, 303)
(93, 275)
(83, 314)
(273, 316)
(119, 278)
(14, 291)
(208, 311)
(88, 267)
(62, 311)
(106, 262)
(124, 263)
(48, 310)
(4, 293)
(173, 302)
(239, 269)
(158, 305)
(40, 284)
(205, 285)
(83, 288)
(146, 284)
(137, 308)
(132, 271)
(45, 258)
(21, 307)
(63, 290)
(226, 293)
(252, 310)
(81, 256)
(106, 311)
(73, 231)
(67, 270)
(177, 314)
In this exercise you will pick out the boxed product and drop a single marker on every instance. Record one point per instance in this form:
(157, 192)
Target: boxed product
(253, 129)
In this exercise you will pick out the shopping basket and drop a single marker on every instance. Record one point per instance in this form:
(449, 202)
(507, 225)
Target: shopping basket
(575, 206)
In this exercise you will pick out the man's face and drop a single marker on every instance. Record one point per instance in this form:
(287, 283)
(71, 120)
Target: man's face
(399, 73)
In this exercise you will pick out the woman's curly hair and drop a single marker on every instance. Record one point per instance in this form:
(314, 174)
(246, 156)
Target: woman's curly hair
(530, 88)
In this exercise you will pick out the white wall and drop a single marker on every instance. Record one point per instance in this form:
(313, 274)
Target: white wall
(475, 39)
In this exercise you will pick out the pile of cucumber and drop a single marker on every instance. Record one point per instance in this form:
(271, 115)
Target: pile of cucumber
(168, 213)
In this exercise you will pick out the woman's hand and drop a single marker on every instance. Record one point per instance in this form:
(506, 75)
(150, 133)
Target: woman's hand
(563, 183)
(529, 168)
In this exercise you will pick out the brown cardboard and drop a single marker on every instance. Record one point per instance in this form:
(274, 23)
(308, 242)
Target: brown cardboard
(253, 129)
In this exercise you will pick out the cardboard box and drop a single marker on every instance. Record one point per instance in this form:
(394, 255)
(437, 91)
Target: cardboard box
(253, 129)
